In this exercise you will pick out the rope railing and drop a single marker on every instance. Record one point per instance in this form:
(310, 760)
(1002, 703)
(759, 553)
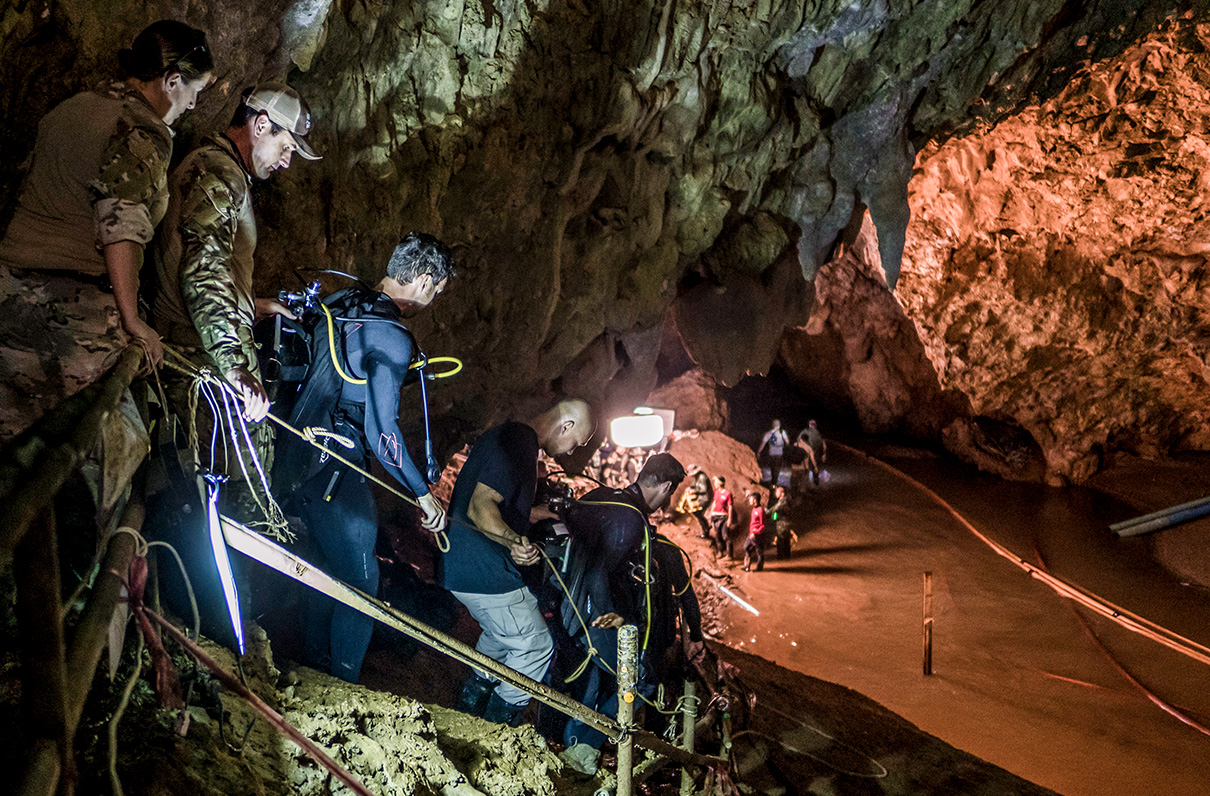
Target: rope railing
(33, 469)
(36, 464)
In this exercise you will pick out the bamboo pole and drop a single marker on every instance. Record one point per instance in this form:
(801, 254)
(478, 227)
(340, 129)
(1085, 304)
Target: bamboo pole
(43, 666)
(628, 640)
(928, 623)
(92, 631)
(36, 464)
(41, 775)
(689, 735)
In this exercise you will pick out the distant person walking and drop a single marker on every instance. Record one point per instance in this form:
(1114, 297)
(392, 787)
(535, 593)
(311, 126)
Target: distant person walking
(722, 516)
(697, 499)
(812, 443)
(779, 506)
(775, 441)
(754, 545)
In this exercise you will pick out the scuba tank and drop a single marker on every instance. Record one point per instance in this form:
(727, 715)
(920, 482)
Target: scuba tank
(305, 362)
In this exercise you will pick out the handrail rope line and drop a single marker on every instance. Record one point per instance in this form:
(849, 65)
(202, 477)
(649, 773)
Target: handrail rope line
(442, 539)
(1147, 692)
(1127, 619)
(440, 536)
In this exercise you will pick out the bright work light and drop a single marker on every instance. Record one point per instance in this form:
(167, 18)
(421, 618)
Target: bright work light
(642, 429)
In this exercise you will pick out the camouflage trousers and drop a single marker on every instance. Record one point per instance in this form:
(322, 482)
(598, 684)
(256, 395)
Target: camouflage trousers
(58, 333)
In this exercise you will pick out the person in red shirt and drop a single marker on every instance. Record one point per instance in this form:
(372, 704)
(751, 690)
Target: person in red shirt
(754, 547)
(722, 516)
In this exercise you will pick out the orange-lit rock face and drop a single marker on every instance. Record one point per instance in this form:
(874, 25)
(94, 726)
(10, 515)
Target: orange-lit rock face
(595, 165)
(1055, 266)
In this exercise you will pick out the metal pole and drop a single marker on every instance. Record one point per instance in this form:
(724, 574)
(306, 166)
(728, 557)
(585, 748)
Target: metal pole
(688, 737)
(1165, 518)
(628, 643)
(928, 623)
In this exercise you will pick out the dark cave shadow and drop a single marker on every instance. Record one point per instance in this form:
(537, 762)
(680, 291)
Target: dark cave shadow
(840, 548)
(825, 569)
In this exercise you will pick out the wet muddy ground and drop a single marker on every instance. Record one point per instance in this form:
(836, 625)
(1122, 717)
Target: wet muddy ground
(1018, 681)
(1021, 679)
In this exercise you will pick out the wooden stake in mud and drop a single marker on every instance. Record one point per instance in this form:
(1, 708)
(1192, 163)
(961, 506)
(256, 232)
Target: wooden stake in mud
(689, 716)
(628, 643)
(928, 623)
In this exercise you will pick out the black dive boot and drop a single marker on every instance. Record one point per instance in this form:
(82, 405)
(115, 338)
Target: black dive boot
(472, 699)
(501, 712)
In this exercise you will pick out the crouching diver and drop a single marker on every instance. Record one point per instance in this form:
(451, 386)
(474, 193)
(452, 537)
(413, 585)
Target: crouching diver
(360, 355)
(610, 575)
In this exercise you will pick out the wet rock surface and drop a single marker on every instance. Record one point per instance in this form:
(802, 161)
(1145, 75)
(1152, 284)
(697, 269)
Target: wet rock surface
(697, 400)
(1056, 269)
(593, 164)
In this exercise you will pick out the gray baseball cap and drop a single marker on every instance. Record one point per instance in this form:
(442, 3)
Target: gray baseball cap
(285, 108)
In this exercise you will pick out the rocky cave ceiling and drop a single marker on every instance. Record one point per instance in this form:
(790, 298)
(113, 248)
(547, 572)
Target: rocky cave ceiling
(604, 169)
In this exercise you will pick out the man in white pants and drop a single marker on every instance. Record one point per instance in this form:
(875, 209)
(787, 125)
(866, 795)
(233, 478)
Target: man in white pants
(489, 519)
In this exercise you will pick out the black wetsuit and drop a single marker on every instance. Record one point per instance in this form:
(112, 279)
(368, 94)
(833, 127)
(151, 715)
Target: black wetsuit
(606, 542)
(336, 503)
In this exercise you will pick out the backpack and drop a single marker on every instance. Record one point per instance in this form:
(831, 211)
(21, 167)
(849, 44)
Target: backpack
(311, 384)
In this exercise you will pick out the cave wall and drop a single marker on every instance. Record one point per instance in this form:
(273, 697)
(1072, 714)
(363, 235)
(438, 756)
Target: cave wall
(593, 164)
(1056, 268)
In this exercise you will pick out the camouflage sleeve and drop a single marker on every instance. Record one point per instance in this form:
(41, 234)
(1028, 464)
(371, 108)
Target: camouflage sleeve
(133, 173)
(209, 218)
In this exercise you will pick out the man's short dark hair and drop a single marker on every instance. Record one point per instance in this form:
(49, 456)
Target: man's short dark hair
(419, 254)
(661, 468)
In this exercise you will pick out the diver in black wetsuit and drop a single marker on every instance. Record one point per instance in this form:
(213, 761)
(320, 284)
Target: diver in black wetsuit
(353, 390)
(607, 574)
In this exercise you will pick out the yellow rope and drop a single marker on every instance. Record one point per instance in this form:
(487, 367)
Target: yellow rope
(422, 363)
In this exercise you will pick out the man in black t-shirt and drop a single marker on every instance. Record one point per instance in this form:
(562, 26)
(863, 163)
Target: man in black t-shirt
(489, 522)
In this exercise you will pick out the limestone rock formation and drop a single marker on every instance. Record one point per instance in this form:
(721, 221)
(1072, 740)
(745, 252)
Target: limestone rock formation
(593, 164)
(697, 399)
(860, 355)
(1056, 262)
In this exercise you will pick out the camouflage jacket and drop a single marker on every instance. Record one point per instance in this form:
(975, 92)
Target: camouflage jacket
(204, 257)
(98, 175)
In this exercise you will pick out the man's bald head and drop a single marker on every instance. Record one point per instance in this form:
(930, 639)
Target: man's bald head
(565, 426)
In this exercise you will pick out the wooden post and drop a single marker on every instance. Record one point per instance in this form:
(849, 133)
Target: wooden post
(39, 613)
(928, 623)
(628, 637)
(688, 737)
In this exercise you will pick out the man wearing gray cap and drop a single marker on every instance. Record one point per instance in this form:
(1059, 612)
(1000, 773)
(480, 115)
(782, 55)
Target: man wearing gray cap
(204, 305)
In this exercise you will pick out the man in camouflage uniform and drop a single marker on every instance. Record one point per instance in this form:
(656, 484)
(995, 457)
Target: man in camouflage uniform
(205, 306)
(97, 180)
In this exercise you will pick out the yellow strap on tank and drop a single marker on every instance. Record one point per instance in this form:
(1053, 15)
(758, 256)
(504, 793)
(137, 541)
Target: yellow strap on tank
(332, 347)
(332, 351)
(646, 550)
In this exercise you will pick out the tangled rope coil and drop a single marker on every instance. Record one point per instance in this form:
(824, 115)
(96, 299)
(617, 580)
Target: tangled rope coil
(184, 366)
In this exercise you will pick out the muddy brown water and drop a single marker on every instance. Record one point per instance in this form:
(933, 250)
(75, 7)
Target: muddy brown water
(1021, 679)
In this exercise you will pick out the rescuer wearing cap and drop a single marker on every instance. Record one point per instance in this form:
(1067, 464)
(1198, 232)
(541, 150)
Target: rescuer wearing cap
(204, 306)
(204, 252)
